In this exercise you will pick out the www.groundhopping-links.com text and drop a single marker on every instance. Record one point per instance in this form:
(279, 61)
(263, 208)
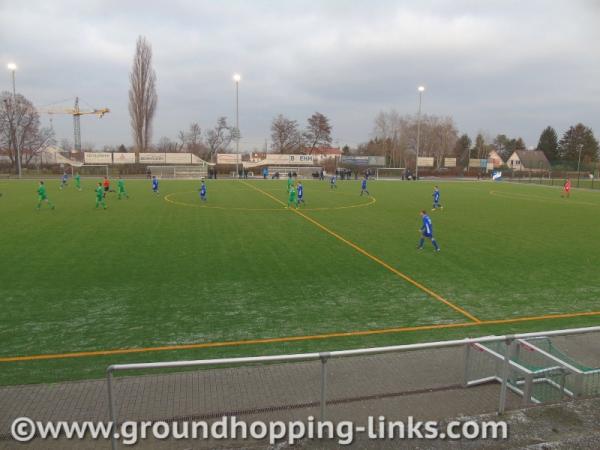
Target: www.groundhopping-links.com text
(25, 429)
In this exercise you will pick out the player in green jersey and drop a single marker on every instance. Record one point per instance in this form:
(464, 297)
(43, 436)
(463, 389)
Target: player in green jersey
(77, 181)
(290, 181)
(292, 197)
(100, 196)
(43, 196)
(121, 189)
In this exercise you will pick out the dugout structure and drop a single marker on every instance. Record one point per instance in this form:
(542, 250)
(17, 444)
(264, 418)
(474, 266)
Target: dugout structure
(536, 369)
(179, 172)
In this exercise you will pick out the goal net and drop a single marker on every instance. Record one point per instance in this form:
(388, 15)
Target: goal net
(90, 170)
(390, 173)
(179, 172)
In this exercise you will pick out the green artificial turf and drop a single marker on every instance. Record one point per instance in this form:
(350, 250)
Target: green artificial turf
(159, 270)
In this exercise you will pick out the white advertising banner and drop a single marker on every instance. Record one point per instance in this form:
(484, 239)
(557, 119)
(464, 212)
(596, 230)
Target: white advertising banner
(97, 158)
(152, 158)
(123, 158)
(425, 161)
(307, 160)
(229, 158)
(178, 158)
(449, 162)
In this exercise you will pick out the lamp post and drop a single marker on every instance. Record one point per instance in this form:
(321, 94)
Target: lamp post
(579, 163)
(237, 77)
(421, 90)
(13, 68)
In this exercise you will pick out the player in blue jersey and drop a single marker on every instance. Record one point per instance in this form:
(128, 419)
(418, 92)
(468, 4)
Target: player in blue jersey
(154, 184)
(300, 190)
(363, 187)
(427, 232)
(333, 182)
(436, 199)
(203, 191)
(63, 181)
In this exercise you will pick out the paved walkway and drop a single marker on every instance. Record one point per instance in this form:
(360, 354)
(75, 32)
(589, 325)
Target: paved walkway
(427, 385)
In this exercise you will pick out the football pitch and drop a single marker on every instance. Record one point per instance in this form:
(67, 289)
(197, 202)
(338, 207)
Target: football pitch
(166, 277)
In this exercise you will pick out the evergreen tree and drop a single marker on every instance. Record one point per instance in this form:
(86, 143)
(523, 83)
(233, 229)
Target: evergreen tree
(462, 149)
(480, 149)
(504, 146)
(576, 139)
(548, 143)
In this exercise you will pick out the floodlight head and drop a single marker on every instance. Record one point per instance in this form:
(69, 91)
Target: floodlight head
(237, 77)
(421, 88)
(11, 66)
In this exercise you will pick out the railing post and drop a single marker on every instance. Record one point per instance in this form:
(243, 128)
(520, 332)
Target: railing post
(324, 356)
(527, 389)
(111, 407)
(467, 356)
(505, 372)
(563, 380)
(578, 385)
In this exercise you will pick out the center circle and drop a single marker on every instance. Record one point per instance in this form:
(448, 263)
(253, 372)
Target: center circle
(172, 198)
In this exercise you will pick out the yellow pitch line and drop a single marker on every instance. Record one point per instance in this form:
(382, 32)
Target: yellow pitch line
(542, 317)
(377, 260)
(296, 338)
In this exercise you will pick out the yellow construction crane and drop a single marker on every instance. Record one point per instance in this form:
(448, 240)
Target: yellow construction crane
(76, 113)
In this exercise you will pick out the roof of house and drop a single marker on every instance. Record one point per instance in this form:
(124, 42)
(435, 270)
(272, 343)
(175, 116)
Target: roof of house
(325, 151)
(533, 159)
(494, 154)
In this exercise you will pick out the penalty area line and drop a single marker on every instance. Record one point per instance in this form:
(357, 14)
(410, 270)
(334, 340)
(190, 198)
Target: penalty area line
(285, 339)
(379, 261)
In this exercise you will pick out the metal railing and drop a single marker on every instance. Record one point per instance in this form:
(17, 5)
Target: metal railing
(324, 357)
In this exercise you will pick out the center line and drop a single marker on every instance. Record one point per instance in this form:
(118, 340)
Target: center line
(374, 258)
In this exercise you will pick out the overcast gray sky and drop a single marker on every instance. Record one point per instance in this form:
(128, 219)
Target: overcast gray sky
(509, 67)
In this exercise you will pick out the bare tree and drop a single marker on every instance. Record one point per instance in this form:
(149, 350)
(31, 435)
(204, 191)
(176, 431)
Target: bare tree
(395, 137)
(89, 147)
(191, 141)
(391, 133)
(318, 131)
(65, 145)
(142, 95)
(182, 136)
(166, 145)
(20, 130)
(194, 134)
(285, 135)
(219, 138)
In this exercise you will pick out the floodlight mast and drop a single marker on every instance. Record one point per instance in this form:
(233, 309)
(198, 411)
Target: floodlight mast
(237, 78)
(421, 89)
